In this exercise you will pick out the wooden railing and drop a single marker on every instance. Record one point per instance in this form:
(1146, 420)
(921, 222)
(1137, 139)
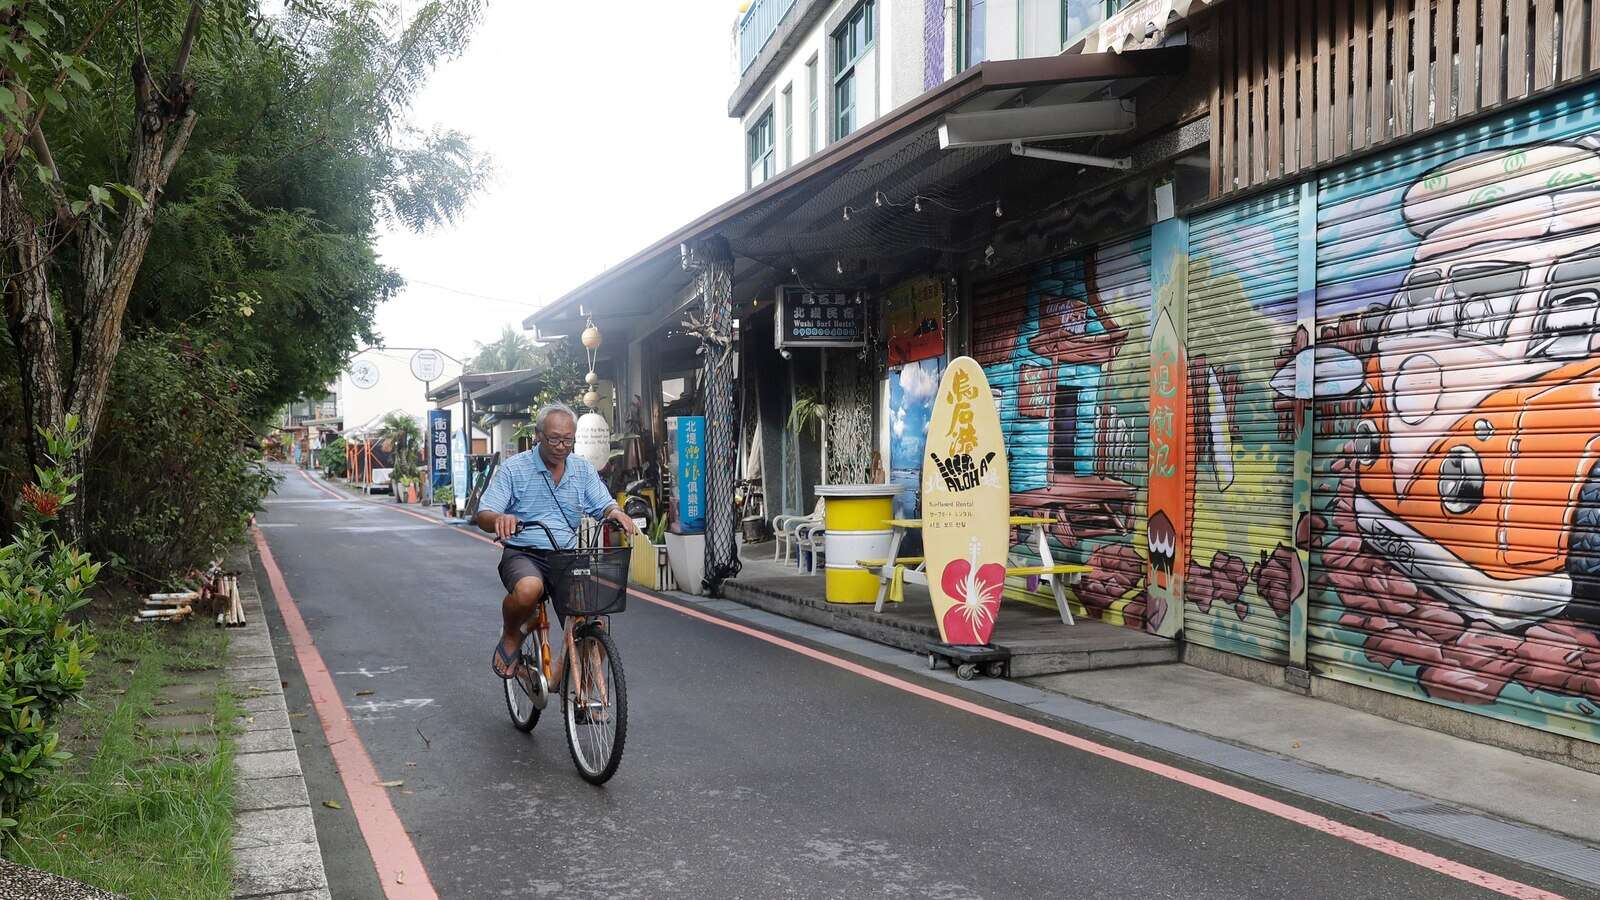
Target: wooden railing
(1300, 83)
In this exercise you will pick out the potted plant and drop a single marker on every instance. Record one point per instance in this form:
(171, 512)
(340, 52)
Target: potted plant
(445, 498)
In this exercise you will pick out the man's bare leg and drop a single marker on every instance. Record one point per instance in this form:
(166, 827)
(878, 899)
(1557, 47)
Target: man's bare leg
(518, 608)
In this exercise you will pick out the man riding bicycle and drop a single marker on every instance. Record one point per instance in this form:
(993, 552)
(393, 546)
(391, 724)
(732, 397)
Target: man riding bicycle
(546, 484)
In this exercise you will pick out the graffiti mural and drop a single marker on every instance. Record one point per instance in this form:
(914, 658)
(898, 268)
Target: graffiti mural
(1065, 343)
(1239, 570)
(912, 389)
(1456, 547)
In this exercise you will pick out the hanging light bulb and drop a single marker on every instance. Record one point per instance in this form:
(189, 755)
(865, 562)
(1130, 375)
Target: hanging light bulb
(847, 213)
(997, 212)
(877, 198)
(838, 267)
(916, 204)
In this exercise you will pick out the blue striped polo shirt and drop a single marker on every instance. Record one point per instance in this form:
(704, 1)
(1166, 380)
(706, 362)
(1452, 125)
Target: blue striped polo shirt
(523, 487)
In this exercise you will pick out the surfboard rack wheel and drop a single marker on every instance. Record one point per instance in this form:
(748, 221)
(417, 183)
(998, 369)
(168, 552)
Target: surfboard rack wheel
(970, 659)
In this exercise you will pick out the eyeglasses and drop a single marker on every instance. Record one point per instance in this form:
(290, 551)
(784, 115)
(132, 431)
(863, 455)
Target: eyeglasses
(561, 442)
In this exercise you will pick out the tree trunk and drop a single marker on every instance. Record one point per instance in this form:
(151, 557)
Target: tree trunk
(30, 317)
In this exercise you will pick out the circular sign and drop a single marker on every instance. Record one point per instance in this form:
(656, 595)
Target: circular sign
(427, 365)
(363, 374)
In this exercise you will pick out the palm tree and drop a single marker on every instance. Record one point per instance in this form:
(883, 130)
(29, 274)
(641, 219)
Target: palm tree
(511, 350)
(400, 435)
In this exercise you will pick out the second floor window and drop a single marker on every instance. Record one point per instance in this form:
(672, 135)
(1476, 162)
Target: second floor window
(1078, 16)
(814, 120)
(974, 38)
(758, 143)
(850, 43)
(788, 125)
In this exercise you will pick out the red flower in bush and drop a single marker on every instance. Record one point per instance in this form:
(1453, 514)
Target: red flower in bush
(43, 502)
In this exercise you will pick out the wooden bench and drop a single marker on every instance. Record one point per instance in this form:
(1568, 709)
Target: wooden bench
(910, 568)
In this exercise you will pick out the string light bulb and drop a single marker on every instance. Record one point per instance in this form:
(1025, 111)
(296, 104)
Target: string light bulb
(997, 213)
(847, 213)
(916, 203)
(838, 267)
(877, 198)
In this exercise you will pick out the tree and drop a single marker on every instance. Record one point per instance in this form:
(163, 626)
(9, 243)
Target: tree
(99, 102)
(510, 351)
(401, 437)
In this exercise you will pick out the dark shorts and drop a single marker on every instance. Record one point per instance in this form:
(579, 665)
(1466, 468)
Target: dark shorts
(517, 563)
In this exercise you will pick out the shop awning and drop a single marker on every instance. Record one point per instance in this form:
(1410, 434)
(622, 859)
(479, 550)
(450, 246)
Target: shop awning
(881, 173)
(513, 388)
(470, 383)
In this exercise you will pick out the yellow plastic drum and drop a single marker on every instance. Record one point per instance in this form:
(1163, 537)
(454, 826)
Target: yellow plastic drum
(854, 516)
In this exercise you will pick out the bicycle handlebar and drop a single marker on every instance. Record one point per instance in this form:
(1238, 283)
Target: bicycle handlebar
(523, 525)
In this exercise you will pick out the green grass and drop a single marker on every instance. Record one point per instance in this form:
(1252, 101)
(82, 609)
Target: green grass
(134, 813)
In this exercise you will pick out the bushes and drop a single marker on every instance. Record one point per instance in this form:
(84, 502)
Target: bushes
(42, 580)
(331, 458)
(174, 475)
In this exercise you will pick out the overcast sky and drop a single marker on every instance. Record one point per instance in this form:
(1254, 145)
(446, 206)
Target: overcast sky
(608, 127)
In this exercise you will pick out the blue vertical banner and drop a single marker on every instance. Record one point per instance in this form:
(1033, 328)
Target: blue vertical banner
(439, 447)
(687, 437)
(458, 465)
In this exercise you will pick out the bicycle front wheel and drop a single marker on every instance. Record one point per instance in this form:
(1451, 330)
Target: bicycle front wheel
(594, 702)
(524, 699)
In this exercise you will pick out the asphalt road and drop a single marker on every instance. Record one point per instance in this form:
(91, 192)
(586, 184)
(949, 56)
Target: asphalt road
(751, 770)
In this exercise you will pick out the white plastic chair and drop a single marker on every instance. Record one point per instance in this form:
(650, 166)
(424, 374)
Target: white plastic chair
(784, 528)
(810, 548)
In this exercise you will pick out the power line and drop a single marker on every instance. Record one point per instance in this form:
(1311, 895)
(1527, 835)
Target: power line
(451, 290)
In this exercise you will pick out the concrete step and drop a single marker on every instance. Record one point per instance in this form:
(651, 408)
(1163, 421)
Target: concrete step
(1039, 643)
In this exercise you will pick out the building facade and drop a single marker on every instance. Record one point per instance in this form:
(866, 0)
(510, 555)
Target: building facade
(1292, 310)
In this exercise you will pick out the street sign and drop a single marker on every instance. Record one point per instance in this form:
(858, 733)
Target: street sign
(966, 499)
(363, 374)
(458, 465)
(820, 318)
(439, 447)
(427, 365)
(686, 437)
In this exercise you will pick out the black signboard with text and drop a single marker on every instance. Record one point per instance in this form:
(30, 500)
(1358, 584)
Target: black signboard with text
(820, 318)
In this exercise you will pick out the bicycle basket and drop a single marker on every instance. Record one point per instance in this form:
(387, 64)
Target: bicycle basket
(591, 582)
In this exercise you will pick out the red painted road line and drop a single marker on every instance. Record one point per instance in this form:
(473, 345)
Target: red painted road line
(400, 869)
(1414, 855)
(1367, 839)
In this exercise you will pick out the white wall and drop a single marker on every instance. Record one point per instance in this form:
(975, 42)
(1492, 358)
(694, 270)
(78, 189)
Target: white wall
(396, 388)
(882, 86)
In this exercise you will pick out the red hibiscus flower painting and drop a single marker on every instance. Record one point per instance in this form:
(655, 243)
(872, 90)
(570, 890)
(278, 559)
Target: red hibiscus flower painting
(977, 600)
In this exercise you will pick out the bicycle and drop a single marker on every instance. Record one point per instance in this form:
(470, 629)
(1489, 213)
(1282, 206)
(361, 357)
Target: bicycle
(585, 587)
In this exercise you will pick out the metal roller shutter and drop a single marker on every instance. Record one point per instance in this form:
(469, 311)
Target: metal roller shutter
(1242, 571)
(1458, 425)
(1066, 342)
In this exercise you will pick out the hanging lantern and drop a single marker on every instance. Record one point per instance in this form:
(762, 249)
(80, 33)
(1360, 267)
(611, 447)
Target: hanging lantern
(591, 398)
(591, 337)
(591, 378)
(593, 438)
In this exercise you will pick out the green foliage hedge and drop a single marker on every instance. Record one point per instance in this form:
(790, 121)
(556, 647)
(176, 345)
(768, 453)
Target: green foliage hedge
(174, 476)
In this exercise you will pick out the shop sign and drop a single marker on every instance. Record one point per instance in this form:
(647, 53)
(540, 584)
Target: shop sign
(458, 465)
(916, 320)
(820, 318)
(686, 435)
(439, 446)
(966, 499)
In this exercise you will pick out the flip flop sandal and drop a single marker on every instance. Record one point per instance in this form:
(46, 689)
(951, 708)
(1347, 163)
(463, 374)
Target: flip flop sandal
(512, 661)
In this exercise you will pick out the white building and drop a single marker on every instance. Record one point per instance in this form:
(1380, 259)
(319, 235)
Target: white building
(379, 380)
(812, 72)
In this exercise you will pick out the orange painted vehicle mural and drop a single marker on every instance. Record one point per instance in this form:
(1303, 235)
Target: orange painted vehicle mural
(1455, 495)
(1485, 426)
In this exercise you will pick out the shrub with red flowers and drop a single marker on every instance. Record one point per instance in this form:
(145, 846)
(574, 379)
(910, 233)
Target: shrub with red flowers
(43, 579)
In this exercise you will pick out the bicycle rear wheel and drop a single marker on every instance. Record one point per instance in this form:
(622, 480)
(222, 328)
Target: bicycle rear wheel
(597, 721)
(523, 699)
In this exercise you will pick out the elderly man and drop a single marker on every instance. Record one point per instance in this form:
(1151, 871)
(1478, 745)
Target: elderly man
(546, 484)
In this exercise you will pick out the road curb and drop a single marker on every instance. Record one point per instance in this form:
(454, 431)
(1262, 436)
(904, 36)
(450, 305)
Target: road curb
(275, 849)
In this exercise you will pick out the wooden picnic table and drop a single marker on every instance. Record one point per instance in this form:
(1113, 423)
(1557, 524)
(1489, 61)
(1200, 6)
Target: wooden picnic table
(914, 568)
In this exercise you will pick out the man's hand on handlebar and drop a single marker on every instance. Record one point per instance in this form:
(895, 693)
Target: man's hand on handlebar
(621, 518)
(505, 525)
